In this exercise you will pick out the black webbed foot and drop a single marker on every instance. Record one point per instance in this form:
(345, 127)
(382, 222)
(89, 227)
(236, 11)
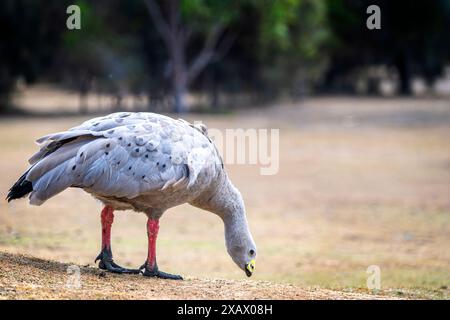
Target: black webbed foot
(107, 263)
(154, 272)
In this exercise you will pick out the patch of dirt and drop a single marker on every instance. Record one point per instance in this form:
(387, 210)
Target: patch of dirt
(26, 277)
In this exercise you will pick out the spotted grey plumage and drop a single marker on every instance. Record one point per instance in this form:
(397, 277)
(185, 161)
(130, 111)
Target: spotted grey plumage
(124, 156)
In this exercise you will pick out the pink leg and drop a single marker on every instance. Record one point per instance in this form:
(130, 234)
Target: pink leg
(150, 266)
(105, 256)
(152, 233)
(107, 219)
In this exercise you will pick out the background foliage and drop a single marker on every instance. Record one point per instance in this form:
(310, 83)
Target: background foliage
(256, 50)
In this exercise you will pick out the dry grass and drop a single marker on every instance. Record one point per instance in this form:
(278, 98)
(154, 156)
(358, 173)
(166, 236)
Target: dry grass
(361, 182)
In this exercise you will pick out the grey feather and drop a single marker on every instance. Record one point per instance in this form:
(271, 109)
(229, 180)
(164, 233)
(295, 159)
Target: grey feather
(123, 155)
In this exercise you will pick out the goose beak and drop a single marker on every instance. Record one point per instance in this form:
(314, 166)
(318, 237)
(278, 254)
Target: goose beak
(249, 268)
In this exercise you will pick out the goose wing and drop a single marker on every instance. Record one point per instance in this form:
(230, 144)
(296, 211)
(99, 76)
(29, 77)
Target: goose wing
(121, 155)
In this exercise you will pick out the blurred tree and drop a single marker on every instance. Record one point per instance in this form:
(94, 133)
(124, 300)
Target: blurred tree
(283, 36)
(176, 28)
(246, 49)
(82, 53)
(293, 36)
(413, 38)
(105, 55)
(262, 46)
(27, 41)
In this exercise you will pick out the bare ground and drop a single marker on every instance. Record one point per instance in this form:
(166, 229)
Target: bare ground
(26, 277)
(361, 182)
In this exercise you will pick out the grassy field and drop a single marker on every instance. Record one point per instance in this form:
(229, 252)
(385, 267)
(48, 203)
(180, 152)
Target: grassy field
(362, 182)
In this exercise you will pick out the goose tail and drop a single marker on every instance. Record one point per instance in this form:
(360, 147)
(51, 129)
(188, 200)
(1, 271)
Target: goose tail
(20, 189)
(52, 170)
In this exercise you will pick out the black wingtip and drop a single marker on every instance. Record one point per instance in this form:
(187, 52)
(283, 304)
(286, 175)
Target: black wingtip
(20, 189)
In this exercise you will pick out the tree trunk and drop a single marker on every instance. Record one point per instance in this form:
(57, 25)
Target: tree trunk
(179, 84)
(404, 72)
(180, 97)
(177, 51)
(173, 33)
(214, 93)
(84, 89)
(83, 103)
